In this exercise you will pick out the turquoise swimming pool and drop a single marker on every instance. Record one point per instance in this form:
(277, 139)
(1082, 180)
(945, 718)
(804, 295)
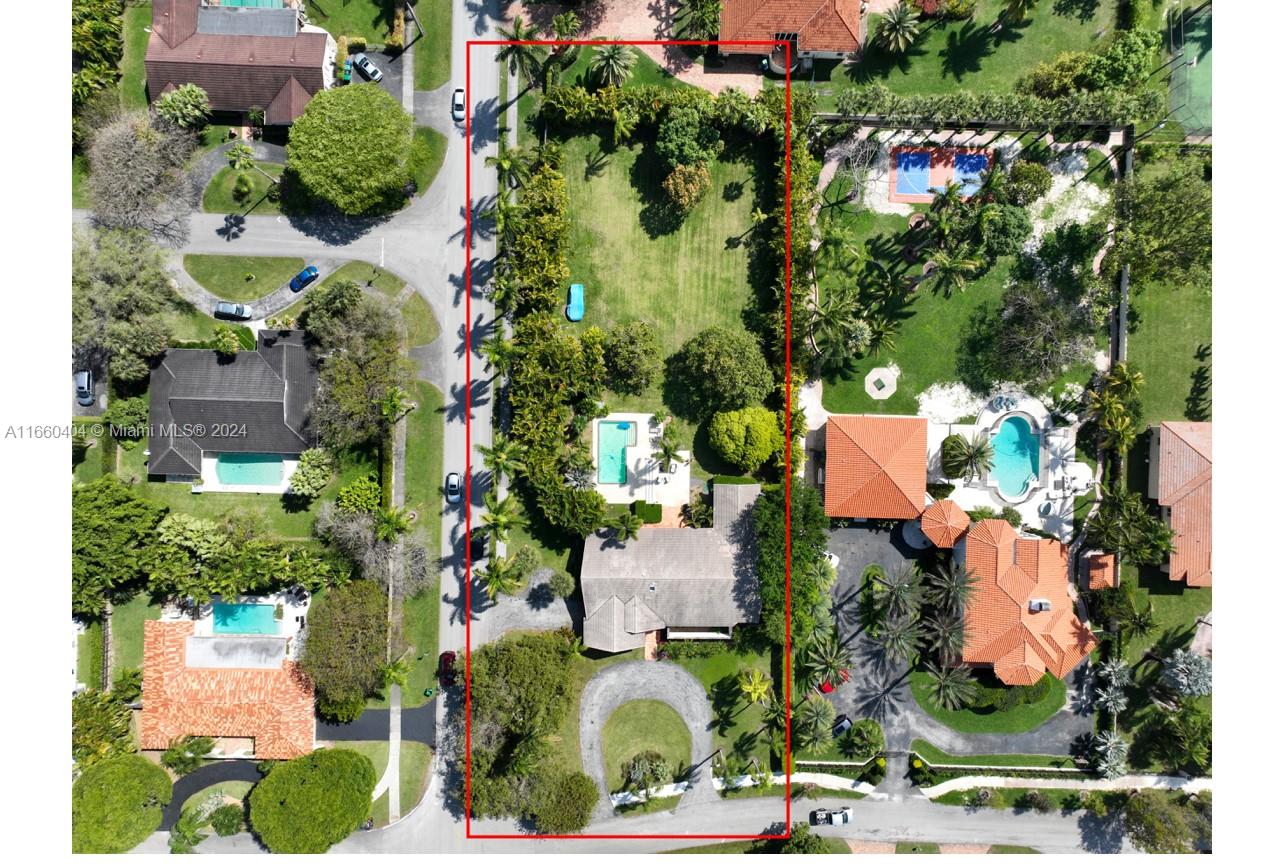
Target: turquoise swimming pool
(613, 441)
(244, 619)
(1016, 456)
(263, 470)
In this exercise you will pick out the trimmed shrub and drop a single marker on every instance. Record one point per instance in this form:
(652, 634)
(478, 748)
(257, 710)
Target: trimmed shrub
(127, 419)
(1028, 181)
(226, 820)
(745, 438)
(308, 804)
(340, 55)
(117, 803)
(362, 495)
(397, 38)
(562, 584)
(650, 512)
(312, 474)
(686, 185)
(940, 491)
(356, 43)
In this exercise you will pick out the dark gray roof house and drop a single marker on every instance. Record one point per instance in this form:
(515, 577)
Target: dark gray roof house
(693, 583)
(257, 402)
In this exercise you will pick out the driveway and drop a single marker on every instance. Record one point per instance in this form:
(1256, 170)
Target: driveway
(657, 681)
(537, 609)
(391, 66)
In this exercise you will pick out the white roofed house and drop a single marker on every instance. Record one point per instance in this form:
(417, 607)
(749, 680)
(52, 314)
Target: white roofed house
(695, 584)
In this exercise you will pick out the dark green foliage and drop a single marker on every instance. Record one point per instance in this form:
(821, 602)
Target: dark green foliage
(326, 306)
(185, 754)
(632, 355)
(1166, 228)
(1124, 525)
(362, 495)
(687, 136)
(563, 803)
(562, 583)
(351, 148)
(110, 528)
(534, 241)
(809, 534)
(127, 417)
(1157, 823)
(1028, 181)
(116, 804)
(1003, 229)
(345, 647)
(308, 804)
(1011, 515)
(1036, 800)
(940, 490)
(96, 47)
(227, 820)
(1110, 107)
(716, 370)
(650, 512)
(99, 727)
(128, 685)
(801, 841)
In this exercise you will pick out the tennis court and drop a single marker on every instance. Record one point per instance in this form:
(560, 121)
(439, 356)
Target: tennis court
(1190, 91)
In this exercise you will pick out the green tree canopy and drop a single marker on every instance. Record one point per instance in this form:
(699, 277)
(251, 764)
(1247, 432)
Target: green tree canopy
(1167, 230)
(563, 802)
(1157, 824)
(1124, 525)
(688, 136)
(809, 534)
(746, 438)
(99, 728)
(351, 147)
(111, 527)
(308, 804)
(345, 648)
(717, 370)
(801, 841)
(632, 355)
(116, 804)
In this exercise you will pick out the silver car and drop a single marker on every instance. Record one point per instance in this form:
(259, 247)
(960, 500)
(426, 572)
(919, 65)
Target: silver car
(229, 310)
(85, 387)
(366, 67)
(457, 105)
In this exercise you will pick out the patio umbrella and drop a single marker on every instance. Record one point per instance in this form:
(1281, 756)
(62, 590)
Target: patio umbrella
(944, 522)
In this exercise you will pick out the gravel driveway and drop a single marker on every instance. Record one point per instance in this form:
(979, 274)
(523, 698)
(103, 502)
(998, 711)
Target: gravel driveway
(658, 681)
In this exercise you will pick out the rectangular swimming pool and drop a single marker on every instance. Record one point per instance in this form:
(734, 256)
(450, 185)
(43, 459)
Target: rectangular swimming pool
(244, 619)
(262, 470)
(613, 441)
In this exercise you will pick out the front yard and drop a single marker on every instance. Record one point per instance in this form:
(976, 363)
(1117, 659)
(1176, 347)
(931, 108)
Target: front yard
(738, 725)
(644, 726)
(241, 278)
(1023, 717)
(220, 195)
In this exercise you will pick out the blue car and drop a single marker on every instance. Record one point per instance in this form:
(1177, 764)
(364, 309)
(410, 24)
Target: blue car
(575, 303)
(303, 278)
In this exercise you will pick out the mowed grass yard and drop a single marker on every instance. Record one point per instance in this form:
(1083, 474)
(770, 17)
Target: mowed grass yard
(127, 621)
(219, 197)
(226, 276)
(738, 725)
(644, 726)
(564, 745)
(133, 76)
(1172, 341)
(369, 18)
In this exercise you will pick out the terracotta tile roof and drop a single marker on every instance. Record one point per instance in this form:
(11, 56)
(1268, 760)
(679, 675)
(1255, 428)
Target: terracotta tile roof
(1186, 488)
(1100, 569)
(238, 72)
(944, 522)
(1002, 631)
(875, 466)
(821, 25)
(273, 706)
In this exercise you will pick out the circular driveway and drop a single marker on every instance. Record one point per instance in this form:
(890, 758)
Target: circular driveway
(633, 681)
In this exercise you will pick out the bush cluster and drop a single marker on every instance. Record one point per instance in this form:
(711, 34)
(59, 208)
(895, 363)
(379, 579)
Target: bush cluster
(650, 512)
(962, 108)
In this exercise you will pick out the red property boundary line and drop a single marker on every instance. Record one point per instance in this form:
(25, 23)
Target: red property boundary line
(468, 438)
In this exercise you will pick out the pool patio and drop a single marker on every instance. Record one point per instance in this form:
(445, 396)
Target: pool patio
(293, 620)
(209, 482)
(643, 476)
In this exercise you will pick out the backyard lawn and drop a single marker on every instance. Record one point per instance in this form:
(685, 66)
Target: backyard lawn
(228, 276)
(737, 725)
(127, 630)
(369, 18)
(1171, 346)
(1025, 717)
(432, 49)
(644, 726)
(133, 77)
(219, 197)
(426, 156)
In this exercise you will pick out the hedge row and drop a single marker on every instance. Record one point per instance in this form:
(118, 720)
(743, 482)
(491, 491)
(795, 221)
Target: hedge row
(877, 103)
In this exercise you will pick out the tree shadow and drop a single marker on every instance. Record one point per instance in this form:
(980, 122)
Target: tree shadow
(725, 698)
(877, 65)
(1199, 401)
(1083, 10)
(964, 50)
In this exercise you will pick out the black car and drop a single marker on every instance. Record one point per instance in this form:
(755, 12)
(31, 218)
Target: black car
(446, 669)
(842, 725)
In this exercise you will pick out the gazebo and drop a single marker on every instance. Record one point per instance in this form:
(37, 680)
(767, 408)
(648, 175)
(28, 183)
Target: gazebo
(944, 522)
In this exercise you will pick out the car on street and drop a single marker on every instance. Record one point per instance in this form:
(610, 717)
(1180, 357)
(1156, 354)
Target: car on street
(446, 669)
(366, 67)
(832, 816)
(842, 725)
(454, 488)
(457, 105)
(229, 310)
(304, 278)
(85, 387)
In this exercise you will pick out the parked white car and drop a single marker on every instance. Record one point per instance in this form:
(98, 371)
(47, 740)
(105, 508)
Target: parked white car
(832, 816)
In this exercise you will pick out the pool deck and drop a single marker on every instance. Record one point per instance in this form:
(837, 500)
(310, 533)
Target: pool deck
(940, 170)
(289, 626)
(211, 484)
(644, 479)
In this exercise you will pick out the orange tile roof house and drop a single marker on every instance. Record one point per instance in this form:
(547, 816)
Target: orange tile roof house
(944, 523)
(1181, 481)
(1100, 570)
(817, 28)
(1021, 618)
(242, 57)
(238, 686)
(875, 466)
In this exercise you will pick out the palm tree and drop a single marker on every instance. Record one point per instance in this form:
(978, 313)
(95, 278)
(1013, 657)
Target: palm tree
(812, 721)
(900, 638)
(755, 686)
(627, 526)
(507, 217)
(948, 197)
(1016, 11)
(666, 450)
(897, 29)
(882, 334)
(1136, 622)
(826, 658)
(1124, 380)
(565, 26)
(951, 270)
(390, 523)
(946, 635)
(527, 58)
(837, 331)
(701, 18)
(950, 588)
(961, 458)
(993, 183)
(500, 516)
(498, 353)
(511, 165)
(903, 590)
(612, 64)
(396, 672)
(395, 405)
(500, 577)
(952, 688)
(773, 713)
(502, 457)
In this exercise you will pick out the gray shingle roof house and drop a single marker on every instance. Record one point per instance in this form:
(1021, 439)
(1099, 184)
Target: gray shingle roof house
(257, 402)
(695, 583)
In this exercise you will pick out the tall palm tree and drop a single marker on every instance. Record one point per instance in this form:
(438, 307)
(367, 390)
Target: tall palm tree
(812, 720)
(502, 457)
(882, 334)
(391, 523)
(952, 270)
(948, 197)
(666, 451)
(952, 688)
(950, 588)
(511, 165)
(993, 183)
(1124, 380)
(1137, 622)
(500, 577)
(838, 333)
(612, 64)
(966, 459)
(507, 217)
(897, 29)
(498, 353)
(754, 685)
(565, 26)
(527, 58)
(773, 713)
(826, 658)
(903, 589)
(500, 516)
(627, 526)
(900, 638)
(946, 634)
(700, 18)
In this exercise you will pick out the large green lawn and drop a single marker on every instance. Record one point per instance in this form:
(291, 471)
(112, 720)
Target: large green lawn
(964, 54)
(933, 755)
(133, 76)
(1171, 345)
(1025, 717)
(228, 276)
(737, 725)
(644, 726)
(645, 71)
(432, 50)
(219, 197)
(127, 630)
(369, 18)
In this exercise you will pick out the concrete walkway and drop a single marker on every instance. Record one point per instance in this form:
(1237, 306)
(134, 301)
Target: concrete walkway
(1123, 783)
(658, 681)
